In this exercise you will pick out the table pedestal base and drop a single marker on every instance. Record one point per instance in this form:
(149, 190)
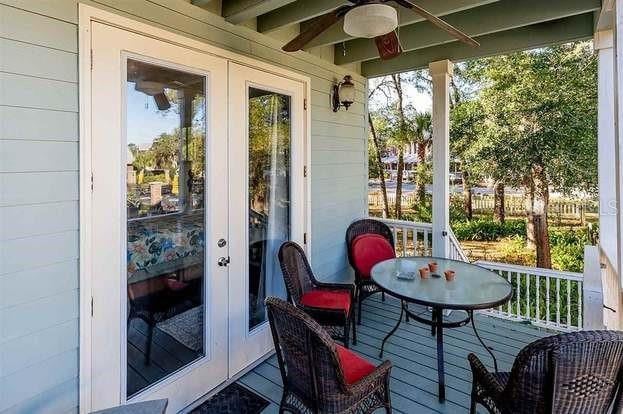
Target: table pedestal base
(437, 325)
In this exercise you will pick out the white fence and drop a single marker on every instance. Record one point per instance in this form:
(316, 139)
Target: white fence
(544, 297)
(514, 205)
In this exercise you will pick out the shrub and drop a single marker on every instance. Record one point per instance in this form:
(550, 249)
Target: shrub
(513, 250)
(488, 230)
(567, 248)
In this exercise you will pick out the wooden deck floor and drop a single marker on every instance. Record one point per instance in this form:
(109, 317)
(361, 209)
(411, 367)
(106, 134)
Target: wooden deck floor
(412, 351)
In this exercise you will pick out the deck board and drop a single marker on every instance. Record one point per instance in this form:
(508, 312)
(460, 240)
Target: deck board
(413, 353)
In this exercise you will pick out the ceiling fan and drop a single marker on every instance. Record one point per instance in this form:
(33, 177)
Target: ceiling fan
(372, 19)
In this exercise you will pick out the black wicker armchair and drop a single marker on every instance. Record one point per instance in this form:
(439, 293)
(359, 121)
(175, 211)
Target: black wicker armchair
(577, 372)
(365, 286)
(320, 376)
(330, 304)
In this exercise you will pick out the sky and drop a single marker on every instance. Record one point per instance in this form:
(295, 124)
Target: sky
(423, 102)
(144, 121)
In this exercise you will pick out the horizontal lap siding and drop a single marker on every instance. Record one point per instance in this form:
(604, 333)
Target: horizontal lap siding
(39, 158)
(38, 206)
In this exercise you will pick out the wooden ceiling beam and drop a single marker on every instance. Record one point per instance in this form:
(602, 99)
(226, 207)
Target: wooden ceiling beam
(569, 29)
(296, 12)
(336, 33)
(492, 18)
(238, 11)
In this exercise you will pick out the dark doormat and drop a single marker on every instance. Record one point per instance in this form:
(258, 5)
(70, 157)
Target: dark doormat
(233, 399)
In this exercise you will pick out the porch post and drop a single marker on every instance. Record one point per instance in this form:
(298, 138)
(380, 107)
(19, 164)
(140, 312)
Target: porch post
(440, 72)
(618, 123)
(606, 147)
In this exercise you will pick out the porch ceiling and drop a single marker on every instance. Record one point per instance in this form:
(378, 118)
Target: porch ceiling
(501, 26)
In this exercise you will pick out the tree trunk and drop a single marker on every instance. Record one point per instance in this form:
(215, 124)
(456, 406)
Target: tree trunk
(467, 196)
(381, 170)
(537, 202)
(420, 185)
(499, 213)
(401, 167)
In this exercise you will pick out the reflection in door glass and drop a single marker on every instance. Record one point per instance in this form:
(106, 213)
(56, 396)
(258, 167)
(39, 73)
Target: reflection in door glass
(269, 195)
(165, 211)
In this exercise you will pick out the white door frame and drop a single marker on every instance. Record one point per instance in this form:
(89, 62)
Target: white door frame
(87, 15)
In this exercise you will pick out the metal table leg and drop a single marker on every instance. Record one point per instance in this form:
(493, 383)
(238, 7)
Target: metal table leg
(402, 310)
(495, 361)
(438, 319)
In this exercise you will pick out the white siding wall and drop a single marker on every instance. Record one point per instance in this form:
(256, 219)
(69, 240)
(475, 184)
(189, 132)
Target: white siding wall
(39, 181)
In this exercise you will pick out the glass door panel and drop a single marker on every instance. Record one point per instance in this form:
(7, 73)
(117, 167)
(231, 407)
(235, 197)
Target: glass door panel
(165, 199)
(269, 195)
(266, 200)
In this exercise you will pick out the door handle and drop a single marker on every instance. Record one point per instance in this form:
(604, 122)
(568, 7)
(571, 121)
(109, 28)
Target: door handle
(223, 261)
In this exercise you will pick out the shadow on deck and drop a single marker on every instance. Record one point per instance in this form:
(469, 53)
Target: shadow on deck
(413, 351)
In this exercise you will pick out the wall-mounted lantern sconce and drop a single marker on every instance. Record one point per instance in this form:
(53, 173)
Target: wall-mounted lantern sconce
(343, 93)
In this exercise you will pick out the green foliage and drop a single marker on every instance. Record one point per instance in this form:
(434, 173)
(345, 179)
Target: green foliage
(534, 109)
(488, 230)
(568, 249)
(513, 250)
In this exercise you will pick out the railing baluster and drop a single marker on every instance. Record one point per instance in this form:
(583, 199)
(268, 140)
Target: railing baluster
(518, 281)
(580, 308)
(404, 241)
(528, 276)
(547, 313)
(508, 307)
(558, 301)
(568, 302)
(538, 297)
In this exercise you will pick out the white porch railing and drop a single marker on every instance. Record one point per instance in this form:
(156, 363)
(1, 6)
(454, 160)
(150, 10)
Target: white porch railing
(544, 297)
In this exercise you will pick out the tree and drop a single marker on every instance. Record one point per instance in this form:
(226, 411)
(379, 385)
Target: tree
(539, 127)
(379, 164)
(423, 133)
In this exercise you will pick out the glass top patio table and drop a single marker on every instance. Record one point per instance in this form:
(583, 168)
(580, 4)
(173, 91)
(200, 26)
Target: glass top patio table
(473, 287)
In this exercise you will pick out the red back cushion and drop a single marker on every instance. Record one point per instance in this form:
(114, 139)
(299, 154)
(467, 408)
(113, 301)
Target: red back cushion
(368, 250)
(354, 367)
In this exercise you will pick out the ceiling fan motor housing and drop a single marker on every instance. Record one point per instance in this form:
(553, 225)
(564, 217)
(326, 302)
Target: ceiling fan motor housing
(370, 20)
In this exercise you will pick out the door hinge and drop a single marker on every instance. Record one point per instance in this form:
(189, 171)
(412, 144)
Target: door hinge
(91, 59)
(305, 104)
(91, 181)
(304, 238)
(91, 306)
(305, 171)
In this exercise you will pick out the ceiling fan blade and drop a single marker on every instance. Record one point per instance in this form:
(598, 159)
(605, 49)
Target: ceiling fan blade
(388, 45)
(439, 23)
(321, 24)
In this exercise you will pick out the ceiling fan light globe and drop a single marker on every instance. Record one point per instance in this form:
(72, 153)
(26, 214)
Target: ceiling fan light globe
(370, 20)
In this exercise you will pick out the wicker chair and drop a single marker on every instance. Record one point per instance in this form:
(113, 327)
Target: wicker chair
(330, 304)
(577, 372)
(364, 285)
(318, 375)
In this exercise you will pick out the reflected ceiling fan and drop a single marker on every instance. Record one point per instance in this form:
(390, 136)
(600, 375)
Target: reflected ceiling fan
(372, 19)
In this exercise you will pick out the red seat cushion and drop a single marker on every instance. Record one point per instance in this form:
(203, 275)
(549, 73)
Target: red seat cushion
(327, 299)
(354, 367)
(368, 250)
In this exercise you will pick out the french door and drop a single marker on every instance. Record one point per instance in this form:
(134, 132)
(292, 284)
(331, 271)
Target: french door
(266, 197)
(159, 211)
(197, 178)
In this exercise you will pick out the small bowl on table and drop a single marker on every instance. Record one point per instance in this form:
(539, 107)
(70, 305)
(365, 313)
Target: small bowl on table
(450, 275)
(425, 273)
(433, 267)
